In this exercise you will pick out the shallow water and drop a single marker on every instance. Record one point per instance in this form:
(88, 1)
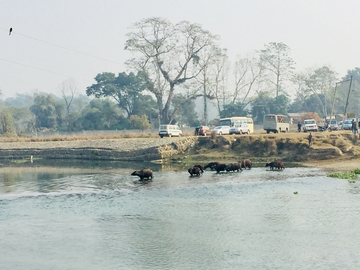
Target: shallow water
(247, 220)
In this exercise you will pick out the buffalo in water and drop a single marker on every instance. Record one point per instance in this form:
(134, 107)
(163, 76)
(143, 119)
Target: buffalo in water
(200, 167)
(233, 167)
(144, 174)
(211, 165)
(276, 164)
(246, 163)
(220, 168)
(194, 171)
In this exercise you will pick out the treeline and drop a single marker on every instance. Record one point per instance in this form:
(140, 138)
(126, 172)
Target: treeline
(174, 67)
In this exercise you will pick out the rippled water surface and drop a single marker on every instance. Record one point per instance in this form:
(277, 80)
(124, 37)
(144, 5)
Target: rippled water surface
(102, 219)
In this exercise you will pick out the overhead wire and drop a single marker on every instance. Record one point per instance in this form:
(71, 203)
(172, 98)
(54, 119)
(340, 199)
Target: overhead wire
(62, 47)
(14, 32)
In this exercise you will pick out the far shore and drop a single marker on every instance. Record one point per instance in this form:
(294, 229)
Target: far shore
(346, 148)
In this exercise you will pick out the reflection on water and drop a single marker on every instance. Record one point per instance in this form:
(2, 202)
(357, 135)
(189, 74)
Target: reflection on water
(104, 218)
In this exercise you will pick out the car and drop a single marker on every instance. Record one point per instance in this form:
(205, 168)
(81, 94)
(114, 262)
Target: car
(204, 130)
(340, 124)
(334, 125)
(310, 125)
(222, 130)
(240, 129)
(169, 130)
(348, 123)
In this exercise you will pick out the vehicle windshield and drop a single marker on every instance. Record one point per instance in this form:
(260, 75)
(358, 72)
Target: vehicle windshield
(309, 122)
(217, 128)
(347, 122)
(333, 121)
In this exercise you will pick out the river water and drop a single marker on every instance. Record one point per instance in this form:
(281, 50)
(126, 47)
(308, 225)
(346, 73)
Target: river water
(66, 218)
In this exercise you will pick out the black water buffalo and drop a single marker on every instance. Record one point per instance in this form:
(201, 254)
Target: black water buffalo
(220, 168)
(233, 167)
(144, 174)
(246, 163)
(200, 167)
(194, 171)
(211, 165)
(276, 164)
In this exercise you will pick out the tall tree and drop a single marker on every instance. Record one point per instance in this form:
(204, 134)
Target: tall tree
(124, 89)
(277, 61)
(247, 71)
(322, 82)
(168, 56)
(47, 111)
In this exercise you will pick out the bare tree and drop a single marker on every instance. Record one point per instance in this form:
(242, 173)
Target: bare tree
(167, 56)
(247, 71)
(277, 61)
(219, 82)
(68, 90)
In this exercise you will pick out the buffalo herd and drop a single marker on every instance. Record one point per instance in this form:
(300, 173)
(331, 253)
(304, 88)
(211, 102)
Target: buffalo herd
(197, 170)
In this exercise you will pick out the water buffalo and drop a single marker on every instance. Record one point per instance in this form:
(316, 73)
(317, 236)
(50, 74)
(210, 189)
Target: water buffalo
(220, 168)
(144, 174)
(276, 164)
(194, 171)
(211, 165)
(200, 167)
(246, 163)
(233, 167)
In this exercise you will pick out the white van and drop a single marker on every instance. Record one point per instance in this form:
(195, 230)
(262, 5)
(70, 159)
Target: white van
(169, 130)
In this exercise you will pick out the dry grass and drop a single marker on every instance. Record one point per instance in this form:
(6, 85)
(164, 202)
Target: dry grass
(85, 136)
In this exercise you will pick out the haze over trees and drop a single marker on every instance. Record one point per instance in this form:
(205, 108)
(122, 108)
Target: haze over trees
(179, 71)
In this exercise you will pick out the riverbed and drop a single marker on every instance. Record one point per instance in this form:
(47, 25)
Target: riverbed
(96, 217)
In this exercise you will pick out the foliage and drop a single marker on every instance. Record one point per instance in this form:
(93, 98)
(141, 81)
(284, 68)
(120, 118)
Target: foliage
(20, 100)
(124, 89)
(102, 114)
(348, 175)
(47, 111)
(356, 171)
(234, 109)
(184, 111)
(6, 122)
(264, 104)
(141, 123)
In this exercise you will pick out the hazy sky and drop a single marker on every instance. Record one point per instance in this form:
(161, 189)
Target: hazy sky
(53, 41)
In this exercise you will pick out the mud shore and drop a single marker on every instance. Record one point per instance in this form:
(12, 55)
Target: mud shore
(339, 150)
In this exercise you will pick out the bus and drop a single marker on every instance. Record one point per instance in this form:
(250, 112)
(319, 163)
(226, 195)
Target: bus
(276, 123)
(233, 121)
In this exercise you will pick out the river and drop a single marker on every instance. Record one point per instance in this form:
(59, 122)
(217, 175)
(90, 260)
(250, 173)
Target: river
(101, 218)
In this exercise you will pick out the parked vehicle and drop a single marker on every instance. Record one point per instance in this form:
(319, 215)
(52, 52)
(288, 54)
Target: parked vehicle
(169, 130)
(333, 125)
(240, 129)
(204, 130)
(222, 130)
(348, 123)
(236, 120)
(340, 125)
(276, 123)
(310, 125)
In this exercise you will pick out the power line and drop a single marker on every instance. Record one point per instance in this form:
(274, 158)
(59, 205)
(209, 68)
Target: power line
(59, 46)
(44, 70)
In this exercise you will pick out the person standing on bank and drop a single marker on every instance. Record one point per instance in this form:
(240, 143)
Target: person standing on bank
(299, 127)
(310, 138)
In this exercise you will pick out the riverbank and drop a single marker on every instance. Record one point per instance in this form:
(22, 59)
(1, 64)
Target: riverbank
(339, 150)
